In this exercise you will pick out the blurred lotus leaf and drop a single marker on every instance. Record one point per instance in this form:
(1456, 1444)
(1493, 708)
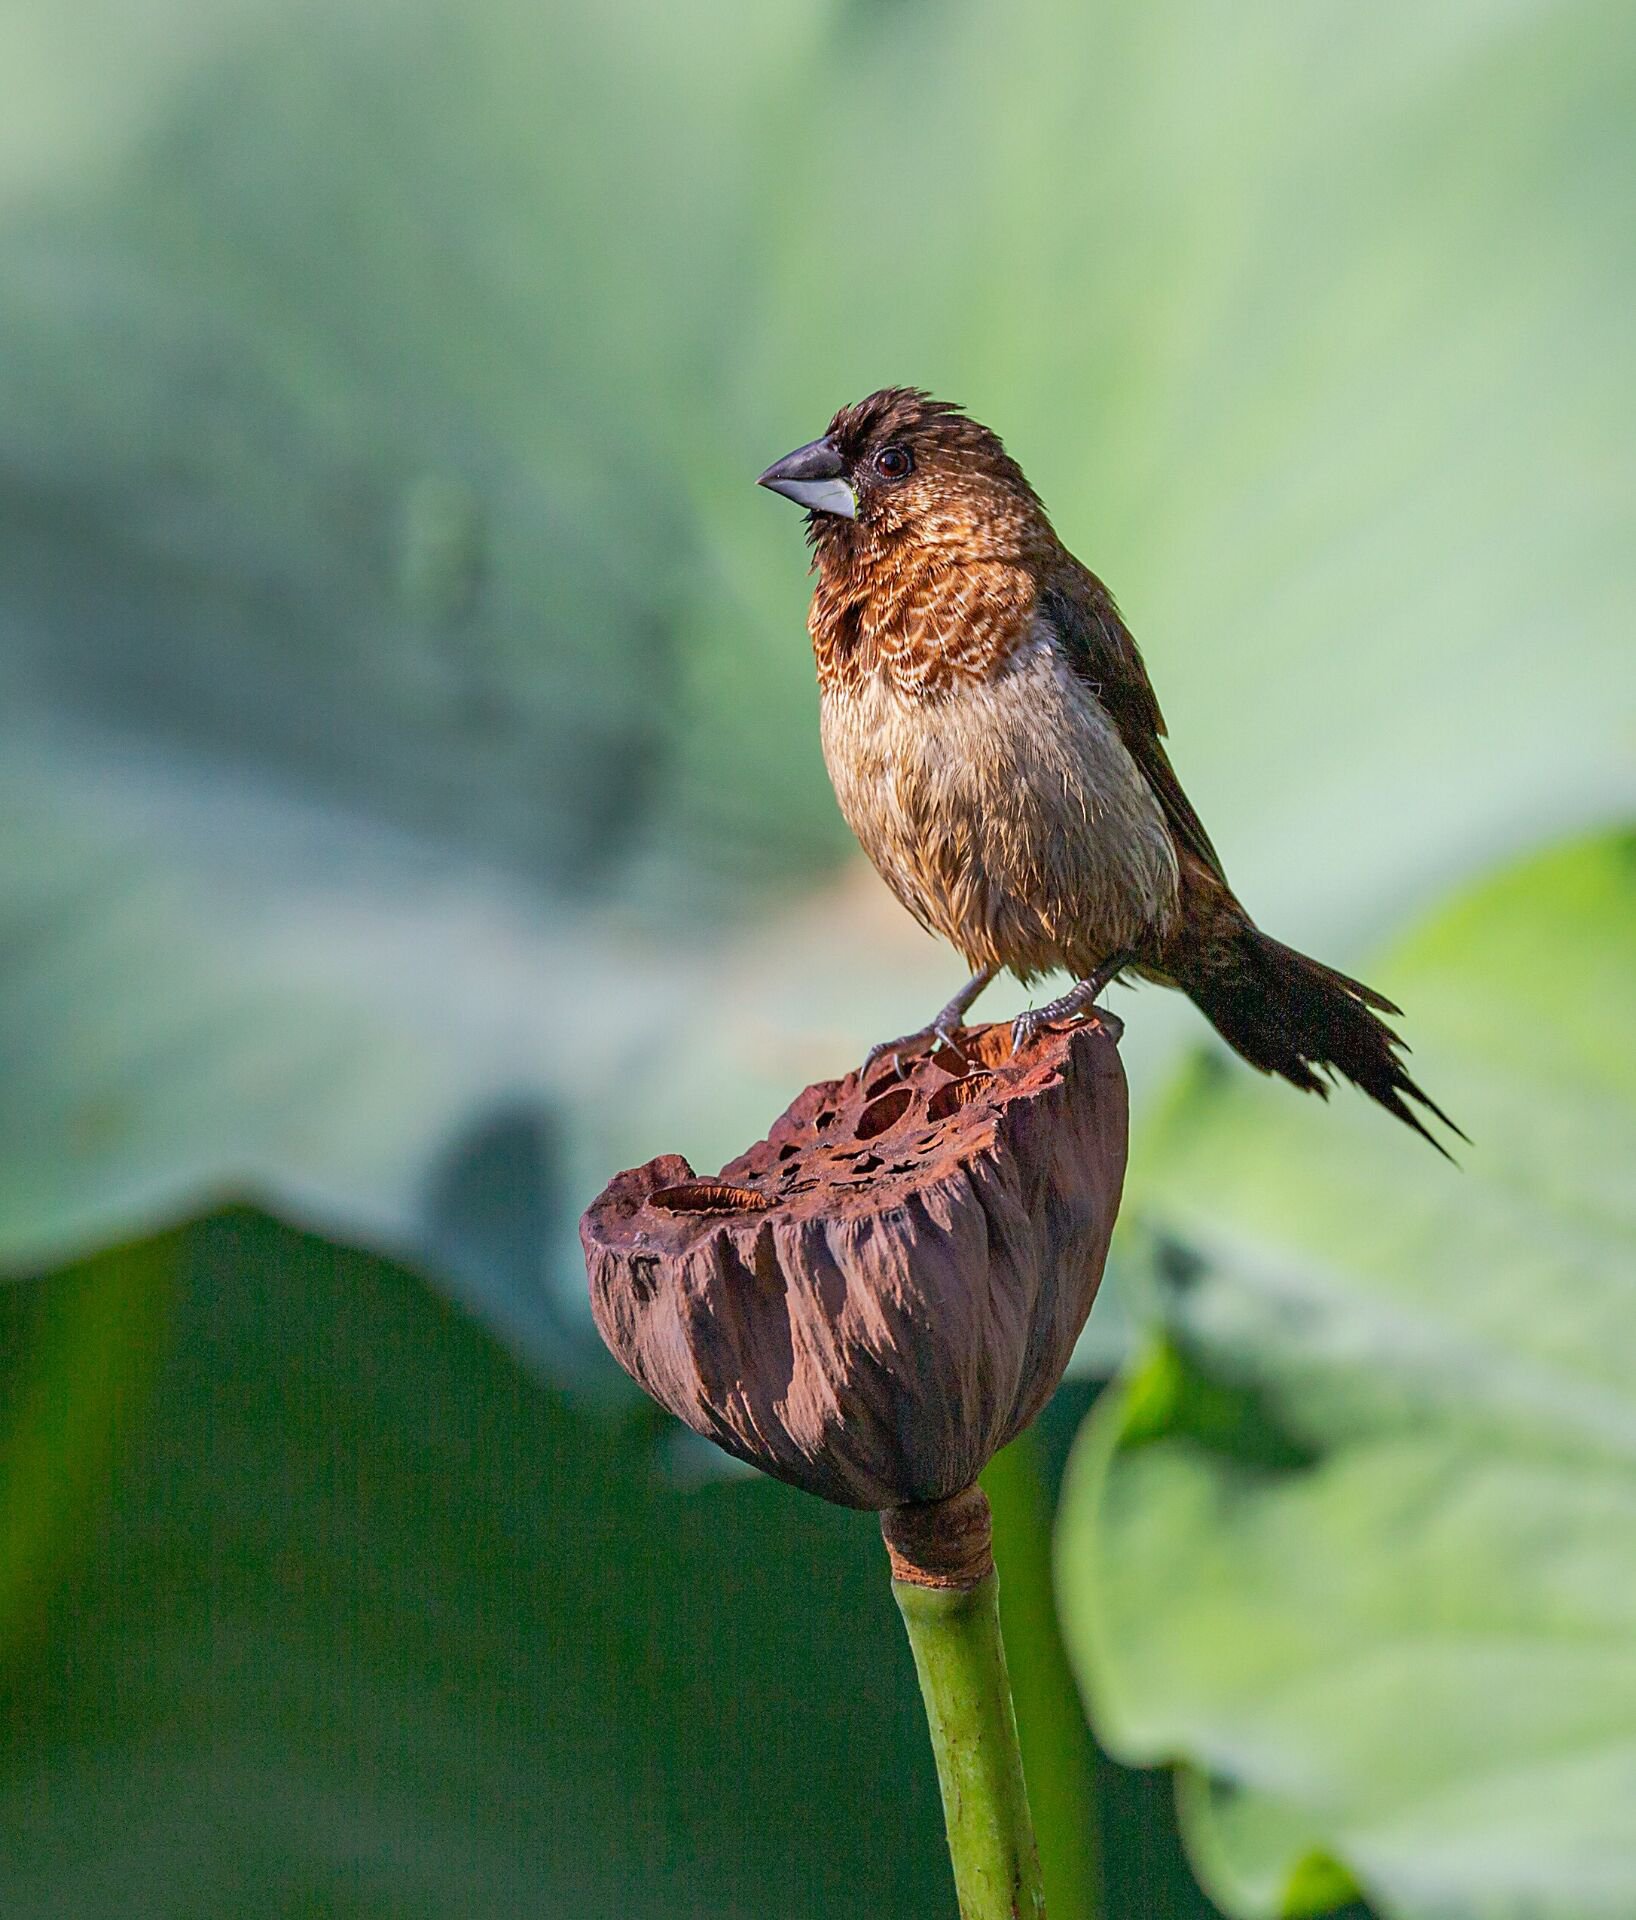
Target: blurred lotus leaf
(376, 1625)
(407, 746)
(1358, 1539)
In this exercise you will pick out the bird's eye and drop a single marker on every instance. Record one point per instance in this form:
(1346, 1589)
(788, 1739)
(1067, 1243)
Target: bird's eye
(892, 463)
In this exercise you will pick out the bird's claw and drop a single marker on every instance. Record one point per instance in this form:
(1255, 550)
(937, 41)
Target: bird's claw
(1025, 1029)
(1110, 1023)
(1078, 1005)
(884, 1047)
(944, 1036)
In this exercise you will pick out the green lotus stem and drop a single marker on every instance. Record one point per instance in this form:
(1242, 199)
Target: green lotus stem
(954, 1633)
(1056, 1743)
(87, 1369)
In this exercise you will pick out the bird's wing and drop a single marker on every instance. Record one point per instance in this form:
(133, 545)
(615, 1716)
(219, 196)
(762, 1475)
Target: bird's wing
(1099, 645)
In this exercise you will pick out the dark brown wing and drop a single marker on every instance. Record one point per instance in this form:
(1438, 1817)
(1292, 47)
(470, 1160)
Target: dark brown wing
(1105, 656)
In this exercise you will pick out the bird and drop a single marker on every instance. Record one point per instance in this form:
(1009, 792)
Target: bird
(996, 746)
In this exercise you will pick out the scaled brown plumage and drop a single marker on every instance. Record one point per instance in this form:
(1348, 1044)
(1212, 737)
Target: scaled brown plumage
(997, 748)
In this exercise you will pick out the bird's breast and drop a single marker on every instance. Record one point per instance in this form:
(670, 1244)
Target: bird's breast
(1004, 812)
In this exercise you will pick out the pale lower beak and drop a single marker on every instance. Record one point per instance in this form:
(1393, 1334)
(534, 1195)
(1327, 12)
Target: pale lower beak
(812, 477)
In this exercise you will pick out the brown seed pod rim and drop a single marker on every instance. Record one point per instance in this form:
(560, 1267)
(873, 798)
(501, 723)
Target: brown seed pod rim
(855, 1146)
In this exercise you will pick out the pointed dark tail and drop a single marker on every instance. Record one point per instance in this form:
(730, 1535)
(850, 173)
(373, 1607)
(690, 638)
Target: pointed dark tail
(1297, 1018)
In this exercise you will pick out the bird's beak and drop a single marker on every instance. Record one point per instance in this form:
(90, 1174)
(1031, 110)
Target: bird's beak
(811, 477)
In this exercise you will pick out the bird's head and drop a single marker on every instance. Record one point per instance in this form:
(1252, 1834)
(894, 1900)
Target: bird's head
(901, 467)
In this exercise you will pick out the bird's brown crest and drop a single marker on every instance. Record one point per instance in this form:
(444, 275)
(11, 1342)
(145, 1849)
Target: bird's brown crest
(898, 412)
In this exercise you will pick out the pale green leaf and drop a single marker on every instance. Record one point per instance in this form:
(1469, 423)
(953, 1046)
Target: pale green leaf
(408, 751)
(1358, 1540)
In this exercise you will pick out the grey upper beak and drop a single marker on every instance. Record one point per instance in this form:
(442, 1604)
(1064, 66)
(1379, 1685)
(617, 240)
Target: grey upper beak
(812, 478)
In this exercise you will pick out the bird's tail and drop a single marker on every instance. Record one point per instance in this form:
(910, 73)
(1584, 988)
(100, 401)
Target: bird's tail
(1297, 1018)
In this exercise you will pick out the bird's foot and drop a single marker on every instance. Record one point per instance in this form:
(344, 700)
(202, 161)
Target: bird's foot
(944, 1031)
(1030, 1024)
(1078, 1001)
(941, 1033)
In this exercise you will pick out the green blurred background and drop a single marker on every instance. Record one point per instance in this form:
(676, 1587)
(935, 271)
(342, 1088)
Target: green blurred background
(411, 811)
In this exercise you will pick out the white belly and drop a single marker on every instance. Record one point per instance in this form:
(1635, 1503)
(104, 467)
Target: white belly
(1006, 815)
